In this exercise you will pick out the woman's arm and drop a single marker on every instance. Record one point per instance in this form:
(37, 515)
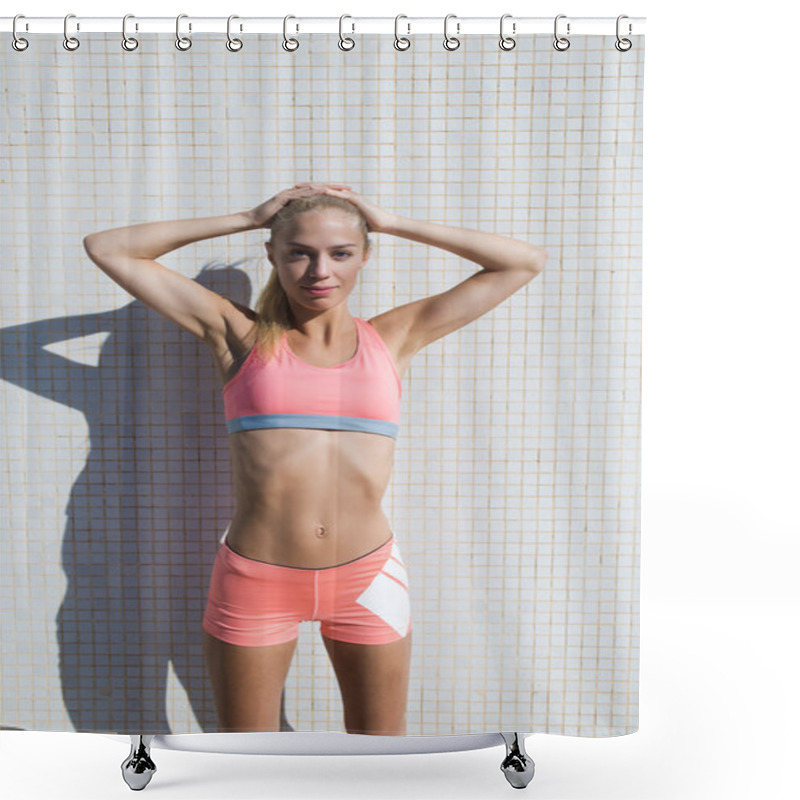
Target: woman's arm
(507, 265)
(490, 250)
(127, 255)
(150, 240)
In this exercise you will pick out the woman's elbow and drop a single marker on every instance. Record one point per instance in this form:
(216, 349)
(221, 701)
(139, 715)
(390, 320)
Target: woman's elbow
(93, 245)
(536, 259)
(88, 243)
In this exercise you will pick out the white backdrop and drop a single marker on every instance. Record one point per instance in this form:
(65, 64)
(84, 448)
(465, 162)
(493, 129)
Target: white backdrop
(720, 535)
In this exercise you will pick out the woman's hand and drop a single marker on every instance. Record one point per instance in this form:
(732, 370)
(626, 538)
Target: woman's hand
(377, 219)
(262, 214)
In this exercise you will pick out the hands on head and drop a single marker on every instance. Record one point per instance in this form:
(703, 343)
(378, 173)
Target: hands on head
(263, 214)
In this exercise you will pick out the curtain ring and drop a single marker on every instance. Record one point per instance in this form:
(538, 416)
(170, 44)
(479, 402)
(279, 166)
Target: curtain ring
(401, 42)
(234, 45)
(560, 42)
(182, 42)
(345, 42)
(18, 43)
(289, 44)
(450, 42)
(507, 42)
(623, 45)
(129, 43)
(70, 42)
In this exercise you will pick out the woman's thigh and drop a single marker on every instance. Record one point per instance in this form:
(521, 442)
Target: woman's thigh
(373, 679)
(247, 683)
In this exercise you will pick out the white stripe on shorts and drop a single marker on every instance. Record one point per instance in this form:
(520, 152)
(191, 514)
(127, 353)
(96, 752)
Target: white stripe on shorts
(387, 595)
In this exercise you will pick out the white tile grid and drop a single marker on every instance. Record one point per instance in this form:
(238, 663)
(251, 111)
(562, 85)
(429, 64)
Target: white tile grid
(515, 494)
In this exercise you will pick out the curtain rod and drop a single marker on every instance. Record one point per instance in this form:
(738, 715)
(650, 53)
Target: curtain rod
(457, 26)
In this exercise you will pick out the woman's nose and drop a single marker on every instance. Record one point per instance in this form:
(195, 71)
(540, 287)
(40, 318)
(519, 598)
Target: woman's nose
(319, 266)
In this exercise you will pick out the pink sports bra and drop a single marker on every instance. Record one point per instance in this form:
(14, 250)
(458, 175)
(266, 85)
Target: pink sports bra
(362, 394)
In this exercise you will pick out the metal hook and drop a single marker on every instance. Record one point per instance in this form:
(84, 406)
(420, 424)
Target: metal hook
(182, 42)
(561, 42)
(345, 42)
(289, 44)
(507, 42)
(623, 45)
(18, 43)
(234, 45)
(450, 42)
(129, 43)
(401, 42)
(70, 42)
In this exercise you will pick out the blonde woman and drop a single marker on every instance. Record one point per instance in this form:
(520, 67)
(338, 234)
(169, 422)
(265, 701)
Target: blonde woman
(312, 407)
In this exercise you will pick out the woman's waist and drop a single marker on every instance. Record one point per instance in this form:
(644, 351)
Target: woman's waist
(307, 537)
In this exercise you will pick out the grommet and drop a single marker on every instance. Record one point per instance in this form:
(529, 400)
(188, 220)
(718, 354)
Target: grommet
(560, 42)
(234, 45)
(290, 44)
(623, 45)
(18, 43)
(507, 42)
(70, 42)
(182, 42)
(345, 42)
(450, 42)
(129, 43)
(401, 42)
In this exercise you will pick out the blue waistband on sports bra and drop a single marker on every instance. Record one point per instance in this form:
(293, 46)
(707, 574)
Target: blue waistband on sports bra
(317, 421)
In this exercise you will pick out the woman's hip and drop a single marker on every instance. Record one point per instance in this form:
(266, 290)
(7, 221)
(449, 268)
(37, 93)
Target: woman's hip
(364, 601)
(305, 541)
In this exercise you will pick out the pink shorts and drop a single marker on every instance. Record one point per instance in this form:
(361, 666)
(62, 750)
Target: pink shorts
(254, 603)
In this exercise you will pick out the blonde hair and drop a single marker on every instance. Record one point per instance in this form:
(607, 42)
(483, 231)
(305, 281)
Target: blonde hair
(274, 314)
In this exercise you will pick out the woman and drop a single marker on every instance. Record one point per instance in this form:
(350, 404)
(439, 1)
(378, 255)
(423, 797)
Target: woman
(312, 405)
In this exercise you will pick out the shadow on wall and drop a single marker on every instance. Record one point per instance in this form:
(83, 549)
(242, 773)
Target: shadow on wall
(145, 514)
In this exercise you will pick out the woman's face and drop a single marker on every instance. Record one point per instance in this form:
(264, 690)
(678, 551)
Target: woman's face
(318, 257)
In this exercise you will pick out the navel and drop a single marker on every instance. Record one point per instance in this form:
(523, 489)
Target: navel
(321, 532)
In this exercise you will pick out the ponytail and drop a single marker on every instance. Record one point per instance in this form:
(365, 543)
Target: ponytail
(274, 316)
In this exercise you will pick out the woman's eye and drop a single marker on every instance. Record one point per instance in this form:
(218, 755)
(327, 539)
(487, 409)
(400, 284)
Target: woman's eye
(297, 253)
(342, 254)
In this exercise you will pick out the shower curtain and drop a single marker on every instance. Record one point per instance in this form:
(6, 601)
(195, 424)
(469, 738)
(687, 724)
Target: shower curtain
(515, 490)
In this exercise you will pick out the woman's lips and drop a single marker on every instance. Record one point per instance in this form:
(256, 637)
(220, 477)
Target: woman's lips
(319, 291)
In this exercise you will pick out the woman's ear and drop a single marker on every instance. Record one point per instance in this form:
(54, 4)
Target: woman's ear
(268, 247)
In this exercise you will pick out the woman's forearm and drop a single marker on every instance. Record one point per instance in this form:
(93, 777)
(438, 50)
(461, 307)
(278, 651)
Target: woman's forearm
(490, 250)
(153, 239)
